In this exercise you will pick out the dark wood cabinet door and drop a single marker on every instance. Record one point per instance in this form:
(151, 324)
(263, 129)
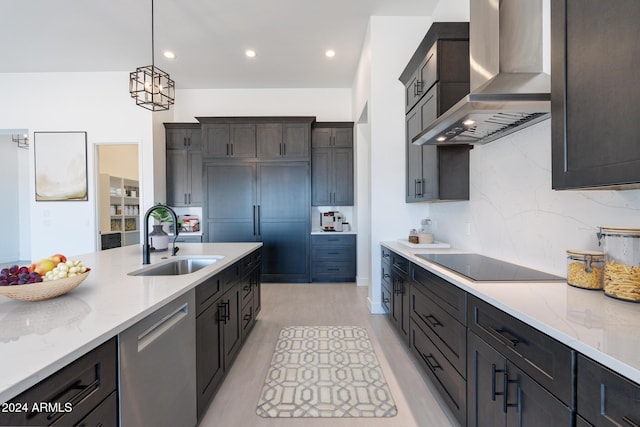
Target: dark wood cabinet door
(196, 195)
(594, 94)
(604, 397)
(428, 111)
(413, 155)
(342, 166)
(321, 178)
(231, 207)
(209, 355)
(177, 139)
(485, 384)
(231, 324)
(257, 288)
(177, 177)
(243, 140)
(216, 140)
(295, 144)
(283, 221)
(322, 137)
(530, 405)
(269, 140)
(343, 137)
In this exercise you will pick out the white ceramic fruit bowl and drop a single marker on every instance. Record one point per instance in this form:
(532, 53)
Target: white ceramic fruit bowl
(43, 290)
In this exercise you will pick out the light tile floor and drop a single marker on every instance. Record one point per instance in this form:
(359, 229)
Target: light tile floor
(332, 305)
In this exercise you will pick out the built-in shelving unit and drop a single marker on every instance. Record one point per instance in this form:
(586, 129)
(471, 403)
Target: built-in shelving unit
(120, 208)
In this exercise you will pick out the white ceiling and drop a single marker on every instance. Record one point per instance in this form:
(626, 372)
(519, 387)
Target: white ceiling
(209, 38)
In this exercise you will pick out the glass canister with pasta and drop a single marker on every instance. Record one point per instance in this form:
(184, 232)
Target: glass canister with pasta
(585, 269)
(622, 262)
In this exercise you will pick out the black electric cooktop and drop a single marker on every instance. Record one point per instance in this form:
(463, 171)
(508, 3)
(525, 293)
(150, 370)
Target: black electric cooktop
(480, 268)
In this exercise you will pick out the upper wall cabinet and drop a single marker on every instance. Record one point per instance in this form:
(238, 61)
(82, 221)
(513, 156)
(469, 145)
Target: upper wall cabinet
(594, 94)
(184, 164)
(436, 77)
(332, 164)
(256, 138)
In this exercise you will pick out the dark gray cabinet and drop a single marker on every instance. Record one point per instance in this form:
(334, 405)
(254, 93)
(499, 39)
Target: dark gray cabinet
(184, 164)
(436, 77)
(237, 140)
(604, 397)
(252, 202)
(437, 331)
(85, 391)
(283, 141)
(501, 394)
(332, 164)
(256, 138)
(517, 375)
(400, 289)
(221, 323)
(333, 258)
(594, 94)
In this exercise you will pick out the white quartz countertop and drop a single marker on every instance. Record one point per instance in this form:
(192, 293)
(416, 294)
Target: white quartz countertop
(602, 328)
(38, 338)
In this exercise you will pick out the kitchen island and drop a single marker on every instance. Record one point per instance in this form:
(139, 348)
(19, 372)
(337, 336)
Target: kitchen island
(39, 338)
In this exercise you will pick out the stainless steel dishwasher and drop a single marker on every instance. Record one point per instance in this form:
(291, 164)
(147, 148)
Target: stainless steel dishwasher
(158, 367)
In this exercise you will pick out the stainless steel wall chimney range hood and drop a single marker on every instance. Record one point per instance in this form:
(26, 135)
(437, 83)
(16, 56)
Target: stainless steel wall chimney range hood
(509, 90)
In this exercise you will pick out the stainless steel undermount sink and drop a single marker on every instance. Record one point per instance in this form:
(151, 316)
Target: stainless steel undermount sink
(176, 267)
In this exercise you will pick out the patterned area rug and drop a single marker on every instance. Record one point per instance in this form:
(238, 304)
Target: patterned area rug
(325, 371)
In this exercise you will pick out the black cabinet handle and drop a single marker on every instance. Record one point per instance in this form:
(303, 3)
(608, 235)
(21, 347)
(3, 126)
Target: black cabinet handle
(508, 336)
(631, 422)
(189, 198)
(284, 149)
(185, 198)
(84, 391)
(259, 220)
(432, 320)
(184, 141)
(495, 371)
(228, 151)
(385, 255)
(386, 275)
(506, 404)
(431, 361)
(224, 306)
(254, 220)
(280, 147)
(246, 287)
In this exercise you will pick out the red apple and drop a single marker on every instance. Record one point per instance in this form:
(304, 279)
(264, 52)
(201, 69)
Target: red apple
(58, 258)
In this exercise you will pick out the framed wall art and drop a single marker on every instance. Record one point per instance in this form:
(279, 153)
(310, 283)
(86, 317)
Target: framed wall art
(60, 166)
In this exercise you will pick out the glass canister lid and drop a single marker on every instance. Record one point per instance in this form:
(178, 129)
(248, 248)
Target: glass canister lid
(582, 253)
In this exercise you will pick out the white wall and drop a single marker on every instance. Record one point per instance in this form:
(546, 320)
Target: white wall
(10, 196)
(98, 103)
(392, 42)
(325, 104)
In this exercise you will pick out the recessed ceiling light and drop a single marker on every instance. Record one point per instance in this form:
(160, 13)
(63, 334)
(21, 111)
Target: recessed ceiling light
(441, 139)
(250, 53)
(168, 54)
(330, 53)
(468, 122)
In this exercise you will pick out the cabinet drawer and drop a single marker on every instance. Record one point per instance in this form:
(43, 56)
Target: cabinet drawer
(83, 383)
(447, 380)
(105, 415)
(386, 297)
(247, 318)
(208, 292)
(385, 256)
(400, 265)
(332, 252)
(246, 292)
(386, 274)
(606, 398)
(333, 239)
(333, 269)
(448, 334)
(546, 360)
(448, 296)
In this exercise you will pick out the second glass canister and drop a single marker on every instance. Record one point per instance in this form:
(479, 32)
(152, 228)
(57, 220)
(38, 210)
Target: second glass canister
(622, 262)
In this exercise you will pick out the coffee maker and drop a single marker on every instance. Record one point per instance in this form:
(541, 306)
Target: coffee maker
(331, 221)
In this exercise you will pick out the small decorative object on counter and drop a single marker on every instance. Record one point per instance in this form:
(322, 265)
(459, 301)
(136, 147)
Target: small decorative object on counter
(159, 239)
(622, 262)
(346, 226)
(585, 269)
(413, 236)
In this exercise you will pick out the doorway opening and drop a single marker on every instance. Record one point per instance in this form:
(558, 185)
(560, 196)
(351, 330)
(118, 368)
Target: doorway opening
(118, 195)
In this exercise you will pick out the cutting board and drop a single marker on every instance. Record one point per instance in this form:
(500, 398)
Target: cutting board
(434, 245)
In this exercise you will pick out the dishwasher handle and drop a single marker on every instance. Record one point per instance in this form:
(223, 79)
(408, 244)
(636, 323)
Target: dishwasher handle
(162, 326)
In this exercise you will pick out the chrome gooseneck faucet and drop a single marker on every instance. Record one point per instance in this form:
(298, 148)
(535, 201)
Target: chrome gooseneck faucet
(146, 249)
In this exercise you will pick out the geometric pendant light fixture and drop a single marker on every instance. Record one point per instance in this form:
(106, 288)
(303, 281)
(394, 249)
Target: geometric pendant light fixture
(151, 87)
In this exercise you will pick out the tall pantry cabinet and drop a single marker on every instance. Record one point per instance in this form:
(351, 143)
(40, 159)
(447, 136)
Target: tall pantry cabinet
(257, 182)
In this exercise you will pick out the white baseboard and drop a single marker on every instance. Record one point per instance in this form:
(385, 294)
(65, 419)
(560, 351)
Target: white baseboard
(375, 308)
(363, 281)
